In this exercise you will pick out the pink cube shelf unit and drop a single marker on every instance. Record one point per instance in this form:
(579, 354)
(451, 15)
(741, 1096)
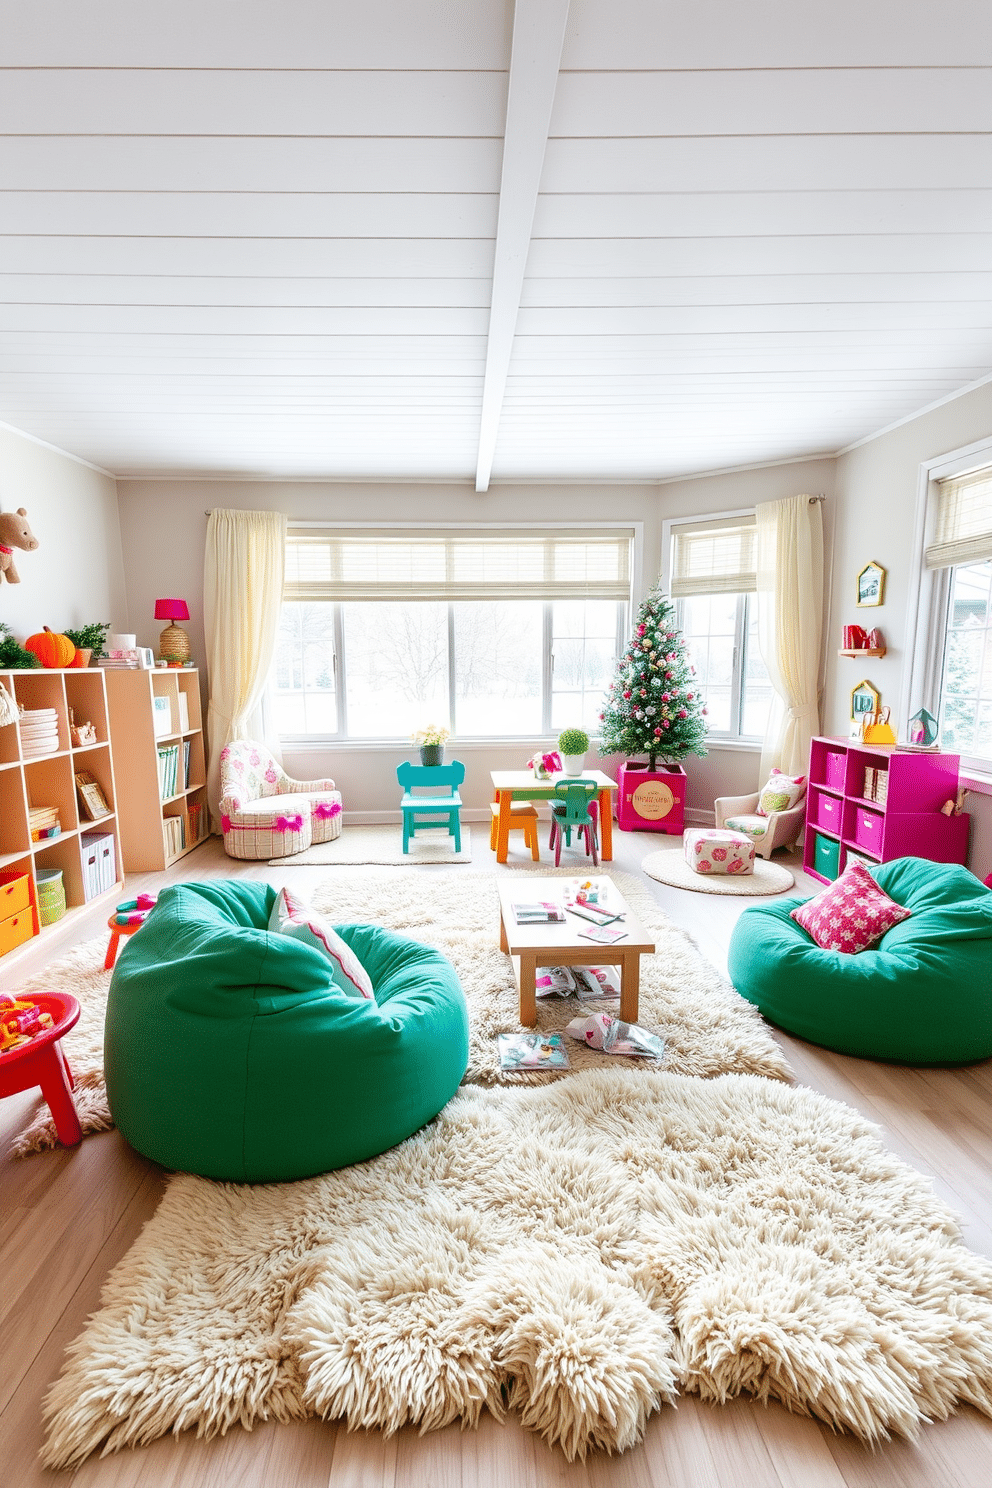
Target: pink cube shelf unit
(871, 801)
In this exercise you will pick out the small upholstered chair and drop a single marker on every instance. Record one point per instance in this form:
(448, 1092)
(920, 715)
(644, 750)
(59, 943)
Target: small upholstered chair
(426, 811)
(267, 814)
(574, 807)
(778, 829)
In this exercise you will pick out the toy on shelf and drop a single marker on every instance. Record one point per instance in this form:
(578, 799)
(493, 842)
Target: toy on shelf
(20, 1020)
(14, 533)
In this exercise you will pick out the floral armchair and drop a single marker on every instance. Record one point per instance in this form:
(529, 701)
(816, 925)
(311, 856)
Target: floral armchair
(267, 814)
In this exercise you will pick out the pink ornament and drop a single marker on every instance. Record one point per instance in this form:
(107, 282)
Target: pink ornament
(683, 713)
(665, 723)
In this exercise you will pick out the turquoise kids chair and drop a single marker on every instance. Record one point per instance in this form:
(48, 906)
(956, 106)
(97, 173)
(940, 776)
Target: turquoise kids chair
(431, 777)
(574, 806)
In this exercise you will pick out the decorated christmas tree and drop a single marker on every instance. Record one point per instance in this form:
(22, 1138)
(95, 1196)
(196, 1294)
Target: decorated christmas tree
(654, 706)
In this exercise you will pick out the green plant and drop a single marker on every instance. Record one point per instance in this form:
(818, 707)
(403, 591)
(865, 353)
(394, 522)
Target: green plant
(13, 655)
(573, 741)
(432, 734)
(89, 637)
(654, 705)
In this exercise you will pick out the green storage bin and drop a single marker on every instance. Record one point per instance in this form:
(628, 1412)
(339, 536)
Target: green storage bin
(51, 895)
(826, 856)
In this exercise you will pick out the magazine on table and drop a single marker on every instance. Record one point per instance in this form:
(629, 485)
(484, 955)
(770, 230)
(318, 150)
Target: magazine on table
(538, 914)
(604, 934)
(532, 1051)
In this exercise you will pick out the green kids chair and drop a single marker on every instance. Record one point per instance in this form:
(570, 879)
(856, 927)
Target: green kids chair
(574, 806)
(415, 778)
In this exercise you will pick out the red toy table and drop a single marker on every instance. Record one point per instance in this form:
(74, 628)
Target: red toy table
(41, 1062)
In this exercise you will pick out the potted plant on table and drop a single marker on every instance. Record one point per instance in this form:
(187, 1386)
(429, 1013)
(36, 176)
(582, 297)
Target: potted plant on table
(653, 707)
(572, 746)
(432, 740)
(89, 641)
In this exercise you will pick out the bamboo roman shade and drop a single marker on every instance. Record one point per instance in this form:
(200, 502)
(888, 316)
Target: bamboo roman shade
(330, 564)
(717, 557)
(963, 531)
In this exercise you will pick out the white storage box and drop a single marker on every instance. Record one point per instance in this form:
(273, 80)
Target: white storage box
(99, 863)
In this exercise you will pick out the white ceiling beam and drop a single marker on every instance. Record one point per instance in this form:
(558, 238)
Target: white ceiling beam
(535, 54)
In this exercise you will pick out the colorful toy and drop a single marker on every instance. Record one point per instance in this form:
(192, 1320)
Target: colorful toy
(20, 1020)
(126, 919)
(14, 533)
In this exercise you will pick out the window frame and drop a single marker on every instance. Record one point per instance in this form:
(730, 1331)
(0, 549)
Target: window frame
(929, 598)
(716, 737)
(342, 740)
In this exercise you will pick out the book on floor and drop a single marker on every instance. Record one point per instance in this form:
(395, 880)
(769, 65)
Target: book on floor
(538, 914)
(532, 1051)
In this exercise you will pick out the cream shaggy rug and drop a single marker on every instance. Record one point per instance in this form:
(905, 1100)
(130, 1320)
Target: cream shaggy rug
(383, 845)
(578, 1254)
(670, 867)
(708, 1029)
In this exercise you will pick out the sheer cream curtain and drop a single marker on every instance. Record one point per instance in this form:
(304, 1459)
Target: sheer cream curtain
(790, 618)
(244, 569)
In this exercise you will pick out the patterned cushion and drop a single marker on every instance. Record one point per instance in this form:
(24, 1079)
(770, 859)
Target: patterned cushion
(851, 913)
(754, 826)
(715, 850)
(291, 916)
(780, 793)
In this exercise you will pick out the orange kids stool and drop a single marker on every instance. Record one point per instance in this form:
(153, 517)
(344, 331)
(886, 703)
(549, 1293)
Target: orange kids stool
(40, 1061)
(126, 919)
(523, 816)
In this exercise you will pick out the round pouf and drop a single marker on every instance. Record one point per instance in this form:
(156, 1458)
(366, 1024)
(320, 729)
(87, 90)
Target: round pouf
(230, 1053)
(919, 997)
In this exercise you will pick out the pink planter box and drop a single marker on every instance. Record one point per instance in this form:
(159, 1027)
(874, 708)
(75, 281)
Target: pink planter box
(651, 800)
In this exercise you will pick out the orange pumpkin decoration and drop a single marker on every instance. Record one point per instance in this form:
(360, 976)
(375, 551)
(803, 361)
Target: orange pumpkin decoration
(51, 648)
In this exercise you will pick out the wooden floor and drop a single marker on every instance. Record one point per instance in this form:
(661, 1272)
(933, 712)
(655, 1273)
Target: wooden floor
(67, 1217)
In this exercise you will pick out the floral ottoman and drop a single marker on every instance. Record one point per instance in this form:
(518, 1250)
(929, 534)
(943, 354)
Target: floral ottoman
(715, 850)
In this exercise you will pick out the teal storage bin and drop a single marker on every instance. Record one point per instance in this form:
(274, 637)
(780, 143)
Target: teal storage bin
(826, 856)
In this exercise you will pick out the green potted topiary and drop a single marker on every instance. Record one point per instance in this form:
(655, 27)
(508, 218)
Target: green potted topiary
(572, 746)
(13, 656)
(89, 641)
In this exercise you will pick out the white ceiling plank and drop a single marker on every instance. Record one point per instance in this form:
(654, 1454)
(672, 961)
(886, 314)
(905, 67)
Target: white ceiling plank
(139, 163)
(397, 320)
(51, 101)
(232, 290)
(654, 320)
(713, 289)
(308, 214)
(538, 33)
(826, 253)
(418, 258)
(337, 34)
(713, 213)
(825, 100)
(872, 162)
(617, 35)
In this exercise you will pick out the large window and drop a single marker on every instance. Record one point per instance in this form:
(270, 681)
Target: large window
(713, 579)
(495, 635)
(952, 673)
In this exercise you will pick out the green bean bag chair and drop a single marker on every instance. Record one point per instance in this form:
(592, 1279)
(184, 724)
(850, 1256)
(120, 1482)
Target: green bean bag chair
(230, 1052)
(921, 995)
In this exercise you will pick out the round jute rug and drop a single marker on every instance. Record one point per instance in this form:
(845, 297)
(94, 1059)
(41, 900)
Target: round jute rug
(671, 868)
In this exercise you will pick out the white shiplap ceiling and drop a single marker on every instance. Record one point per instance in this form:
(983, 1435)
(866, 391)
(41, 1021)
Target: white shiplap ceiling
(287, 239)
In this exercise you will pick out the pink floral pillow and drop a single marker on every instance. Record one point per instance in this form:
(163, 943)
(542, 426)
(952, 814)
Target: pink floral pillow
(292, 916)
(780, 793)
(851, 914)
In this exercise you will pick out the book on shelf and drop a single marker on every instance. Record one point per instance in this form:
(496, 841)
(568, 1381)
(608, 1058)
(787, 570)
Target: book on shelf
(186, 748)
(161, 716)
(183, 713)
(168, 770)
(532, 1051)
(195, 813)
(538, 914)
(174, 830)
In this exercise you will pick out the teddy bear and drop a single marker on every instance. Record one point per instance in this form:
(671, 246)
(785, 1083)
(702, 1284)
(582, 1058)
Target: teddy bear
(14, 533)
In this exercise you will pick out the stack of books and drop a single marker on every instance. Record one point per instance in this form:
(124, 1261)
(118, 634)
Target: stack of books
(44, 822)
(175, 835)
(124, 660)
(168, 771)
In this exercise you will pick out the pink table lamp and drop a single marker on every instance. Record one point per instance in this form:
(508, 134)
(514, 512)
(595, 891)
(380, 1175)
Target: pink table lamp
(173, 643)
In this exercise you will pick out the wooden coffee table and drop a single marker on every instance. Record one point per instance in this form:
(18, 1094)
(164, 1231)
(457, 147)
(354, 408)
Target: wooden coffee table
(532, 946)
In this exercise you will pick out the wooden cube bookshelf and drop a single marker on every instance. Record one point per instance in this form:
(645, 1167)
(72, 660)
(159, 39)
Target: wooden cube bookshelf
(138, 700)
(28, 781)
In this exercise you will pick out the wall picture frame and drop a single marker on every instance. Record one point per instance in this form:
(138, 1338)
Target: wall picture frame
(871, 585)
(865, 699)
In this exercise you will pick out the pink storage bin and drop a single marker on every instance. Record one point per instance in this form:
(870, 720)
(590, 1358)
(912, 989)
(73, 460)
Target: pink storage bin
(828, 813)
(835, 768)
(868, 830)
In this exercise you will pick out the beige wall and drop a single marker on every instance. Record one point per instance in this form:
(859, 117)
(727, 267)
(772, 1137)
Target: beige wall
(76, 576)
(877, 486)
